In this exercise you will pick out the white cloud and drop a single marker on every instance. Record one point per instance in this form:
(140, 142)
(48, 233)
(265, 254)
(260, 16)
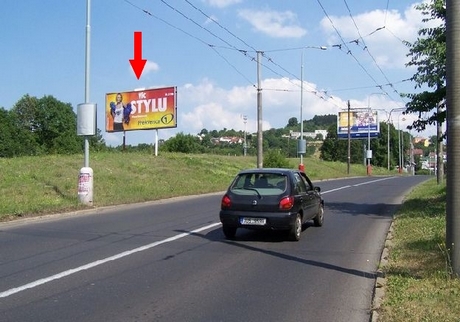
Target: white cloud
(221, 3)
(213, 108)
(210, 20)
(381, 30)
(273, 23)
(150, 67)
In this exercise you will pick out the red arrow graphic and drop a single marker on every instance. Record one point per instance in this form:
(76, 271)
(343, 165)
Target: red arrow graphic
(138, 63)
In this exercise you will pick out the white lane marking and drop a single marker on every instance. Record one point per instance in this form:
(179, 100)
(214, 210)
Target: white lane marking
(336, 189)
(373, 181)
(100, 262)
(356, 185)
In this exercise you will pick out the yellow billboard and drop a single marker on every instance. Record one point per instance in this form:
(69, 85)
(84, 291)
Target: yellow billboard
(141, 110)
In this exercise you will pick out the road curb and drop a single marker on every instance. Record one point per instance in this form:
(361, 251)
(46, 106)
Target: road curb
(381, 281)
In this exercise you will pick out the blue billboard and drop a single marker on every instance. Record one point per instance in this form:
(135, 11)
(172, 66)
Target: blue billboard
(362, 124)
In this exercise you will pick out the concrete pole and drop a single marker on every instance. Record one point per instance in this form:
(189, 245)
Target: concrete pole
(259, 116)
(349, 140)
(87, 70)
(453, 133)
(301, 145)
(440, 160)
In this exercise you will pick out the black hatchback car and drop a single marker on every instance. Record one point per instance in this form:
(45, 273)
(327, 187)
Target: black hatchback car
(271, 199)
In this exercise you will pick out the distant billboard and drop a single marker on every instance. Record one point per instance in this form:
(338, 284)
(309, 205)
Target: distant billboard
(141, 110)
(363, 123)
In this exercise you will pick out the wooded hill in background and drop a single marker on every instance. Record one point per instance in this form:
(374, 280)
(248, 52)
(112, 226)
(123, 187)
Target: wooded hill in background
(47, 126)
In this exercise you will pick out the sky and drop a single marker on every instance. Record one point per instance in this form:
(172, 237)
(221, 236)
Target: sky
(350, 50)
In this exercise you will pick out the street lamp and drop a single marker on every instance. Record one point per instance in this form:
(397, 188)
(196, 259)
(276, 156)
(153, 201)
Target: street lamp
(398, 109)
(302, 144)
(400, 142)
(369, 151)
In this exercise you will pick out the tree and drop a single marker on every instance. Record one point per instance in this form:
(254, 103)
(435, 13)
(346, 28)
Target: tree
(50, 125)
(184, 143)
(56, 126)
(15, 140)
(96, 142)
(292, 122)
(428, 54)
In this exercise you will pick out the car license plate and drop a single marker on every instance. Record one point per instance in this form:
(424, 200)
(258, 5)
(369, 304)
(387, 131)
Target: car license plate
(253, 221)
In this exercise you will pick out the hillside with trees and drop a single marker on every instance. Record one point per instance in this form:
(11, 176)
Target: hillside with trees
(38, 126)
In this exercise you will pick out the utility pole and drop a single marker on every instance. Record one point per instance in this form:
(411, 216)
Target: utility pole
(440, 159)
(453, 133)
(349, 141)
(302, 143)
(259, 116)
(86, 124)
(245, 146)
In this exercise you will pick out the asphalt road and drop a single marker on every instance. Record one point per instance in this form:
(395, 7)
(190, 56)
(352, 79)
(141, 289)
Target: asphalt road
(169, 261)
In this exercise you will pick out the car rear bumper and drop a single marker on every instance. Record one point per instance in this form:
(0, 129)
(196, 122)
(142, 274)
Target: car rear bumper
(274, 221)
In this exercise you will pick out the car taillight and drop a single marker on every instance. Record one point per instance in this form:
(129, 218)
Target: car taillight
(226, 202)
(287, 203)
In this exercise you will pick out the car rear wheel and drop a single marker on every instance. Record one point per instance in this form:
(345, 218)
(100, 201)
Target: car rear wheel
(296, 230)
(319, 219)
(229, 232)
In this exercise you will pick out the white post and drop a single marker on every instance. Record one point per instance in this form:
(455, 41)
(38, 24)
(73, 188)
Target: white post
(156, 142)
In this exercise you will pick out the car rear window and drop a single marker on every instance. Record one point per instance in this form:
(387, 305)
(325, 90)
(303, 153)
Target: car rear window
(264, 183)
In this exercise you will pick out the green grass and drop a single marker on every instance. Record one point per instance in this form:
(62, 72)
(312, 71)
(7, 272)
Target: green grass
(48, 184)
(420, 286)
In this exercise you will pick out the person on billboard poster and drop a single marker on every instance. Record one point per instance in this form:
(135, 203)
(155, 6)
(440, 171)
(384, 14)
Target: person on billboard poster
(120, 112)
(361, 120)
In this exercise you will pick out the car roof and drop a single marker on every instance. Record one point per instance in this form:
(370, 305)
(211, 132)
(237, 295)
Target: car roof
(269, 170)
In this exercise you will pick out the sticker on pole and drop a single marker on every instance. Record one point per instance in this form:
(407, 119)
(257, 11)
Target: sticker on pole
(84, 180)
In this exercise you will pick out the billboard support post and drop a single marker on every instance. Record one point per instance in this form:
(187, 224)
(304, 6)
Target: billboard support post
(369, 151)
(156, 142)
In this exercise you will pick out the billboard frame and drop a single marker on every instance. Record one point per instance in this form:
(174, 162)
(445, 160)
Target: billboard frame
(145, 109)
(363, 124)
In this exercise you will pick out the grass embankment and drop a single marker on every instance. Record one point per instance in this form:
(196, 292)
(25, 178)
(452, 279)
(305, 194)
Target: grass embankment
(48, 184)
(420, 286)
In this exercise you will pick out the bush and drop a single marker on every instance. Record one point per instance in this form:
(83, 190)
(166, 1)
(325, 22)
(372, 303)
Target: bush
(424, 172)
(274, 159)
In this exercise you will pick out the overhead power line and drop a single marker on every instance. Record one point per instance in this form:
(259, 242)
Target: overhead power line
(343, 46)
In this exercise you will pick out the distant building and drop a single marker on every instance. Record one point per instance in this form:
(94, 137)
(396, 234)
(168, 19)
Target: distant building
(312, 135)
(430, 161)
(418, 152)
(418, 139)
(227, 139)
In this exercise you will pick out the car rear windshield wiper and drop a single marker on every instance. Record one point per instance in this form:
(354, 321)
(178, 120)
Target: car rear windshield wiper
(253, 189)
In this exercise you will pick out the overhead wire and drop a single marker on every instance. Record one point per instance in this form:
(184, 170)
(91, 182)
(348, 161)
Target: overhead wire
(213, 47)
(229, 46)
(255, 50)
(217, 23)
(343, 44)
(246, 52)
(366, 48)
